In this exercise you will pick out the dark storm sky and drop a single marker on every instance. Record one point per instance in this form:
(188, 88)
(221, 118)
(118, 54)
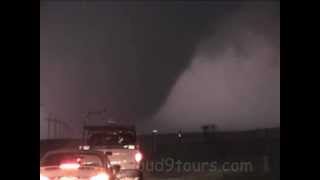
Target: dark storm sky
(141, 60)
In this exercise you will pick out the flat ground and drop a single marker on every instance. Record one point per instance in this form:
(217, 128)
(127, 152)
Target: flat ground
(211, 176)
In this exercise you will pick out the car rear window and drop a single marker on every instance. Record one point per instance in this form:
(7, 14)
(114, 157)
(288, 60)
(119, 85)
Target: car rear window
(83, 159)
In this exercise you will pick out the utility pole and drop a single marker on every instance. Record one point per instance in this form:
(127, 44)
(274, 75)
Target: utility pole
(86, 118)
(49, 125)
(58, 127)
(62, 131)
(55, 128)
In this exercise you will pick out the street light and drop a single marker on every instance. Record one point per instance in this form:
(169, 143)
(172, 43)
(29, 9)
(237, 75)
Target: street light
(180, 136)
(154, 133)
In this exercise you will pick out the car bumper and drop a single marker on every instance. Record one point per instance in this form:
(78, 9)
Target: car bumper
(126, 174)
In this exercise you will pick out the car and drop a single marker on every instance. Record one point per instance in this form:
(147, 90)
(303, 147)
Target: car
(119, 142)
(75, 165)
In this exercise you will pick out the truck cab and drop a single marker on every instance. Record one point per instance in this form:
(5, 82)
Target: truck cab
(119, 143)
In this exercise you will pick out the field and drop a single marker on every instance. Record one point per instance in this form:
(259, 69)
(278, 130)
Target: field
(259, 148)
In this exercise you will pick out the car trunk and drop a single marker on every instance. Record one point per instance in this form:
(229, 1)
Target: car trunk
(74, 174)
(121, 156)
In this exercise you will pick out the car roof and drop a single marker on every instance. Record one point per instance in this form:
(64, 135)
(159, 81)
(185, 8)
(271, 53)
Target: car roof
(75, 151)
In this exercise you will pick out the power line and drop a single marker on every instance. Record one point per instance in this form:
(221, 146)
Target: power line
(59, 127)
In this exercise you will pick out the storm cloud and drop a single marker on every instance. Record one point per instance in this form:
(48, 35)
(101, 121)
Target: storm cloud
(234, 78)
(162, 65)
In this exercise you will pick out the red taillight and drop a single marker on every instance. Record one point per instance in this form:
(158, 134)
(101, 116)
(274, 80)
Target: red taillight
(69, 166)
(138, 156)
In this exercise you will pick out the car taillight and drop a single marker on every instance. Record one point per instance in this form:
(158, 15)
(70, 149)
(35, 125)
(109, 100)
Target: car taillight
(43, 177)
(69, 166)
(138, 156)
(101, 176)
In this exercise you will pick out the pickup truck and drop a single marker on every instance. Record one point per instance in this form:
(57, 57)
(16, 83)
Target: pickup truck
(119, 143)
